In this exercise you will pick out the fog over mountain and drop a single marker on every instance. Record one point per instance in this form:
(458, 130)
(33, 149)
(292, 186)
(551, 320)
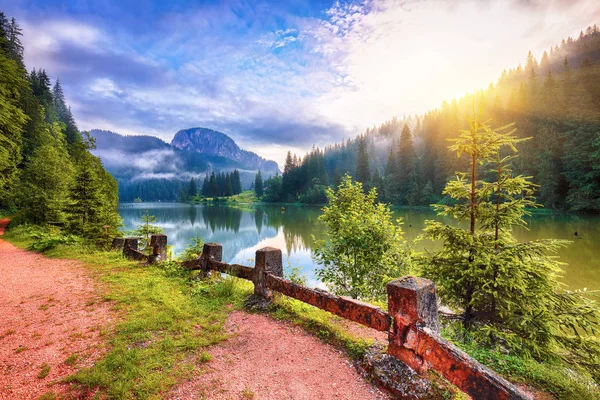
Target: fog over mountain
(149, 168)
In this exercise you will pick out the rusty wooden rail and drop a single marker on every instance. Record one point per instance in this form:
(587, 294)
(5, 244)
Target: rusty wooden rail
(412, 319)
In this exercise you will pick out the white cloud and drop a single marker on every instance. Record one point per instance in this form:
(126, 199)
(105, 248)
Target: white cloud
(361, 64)
(400, 57)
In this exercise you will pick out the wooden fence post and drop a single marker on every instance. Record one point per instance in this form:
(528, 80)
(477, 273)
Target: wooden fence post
(210, 251)
(159, 248)
(268, 260)
(411, 302)
(130, 243)
(117, 244)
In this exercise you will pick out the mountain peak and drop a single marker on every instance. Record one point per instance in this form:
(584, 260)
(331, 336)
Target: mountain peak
(210, 142)
(207, 141)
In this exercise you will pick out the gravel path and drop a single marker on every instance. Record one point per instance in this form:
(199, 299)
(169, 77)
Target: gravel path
(267, 359)
(50, 321)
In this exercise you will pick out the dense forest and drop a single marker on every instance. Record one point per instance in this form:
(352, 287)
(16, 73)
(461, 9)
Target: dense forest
(47, 172)
(555, 102)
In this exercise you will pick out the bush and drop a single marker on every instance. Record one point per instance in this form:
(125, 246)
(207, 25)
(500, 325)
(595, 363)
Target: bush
(364, 247)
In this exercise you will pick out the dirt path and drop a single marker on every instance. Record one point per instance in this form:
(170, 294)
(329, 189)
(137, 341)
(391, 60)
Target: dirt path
(267, 359)
(50, 316)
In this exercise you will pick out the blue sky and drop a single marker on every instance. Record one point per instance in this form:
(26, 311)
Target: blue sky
(279, 75)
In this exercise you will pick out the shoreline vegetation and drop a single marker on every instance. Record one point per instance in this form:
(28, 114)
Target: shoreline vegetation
(162, 306)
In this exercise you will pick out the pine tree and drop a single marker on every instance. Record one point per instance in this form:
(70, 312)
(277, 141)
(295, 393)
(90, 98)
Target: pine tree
(236, 182)
(228, 185)
(258, 185)
(86, 200)
(363, 173)
(46, 183)
(508, 290)
(206, 186)
(214, 189)
(12, 119)
(192, 189)
(407, 175)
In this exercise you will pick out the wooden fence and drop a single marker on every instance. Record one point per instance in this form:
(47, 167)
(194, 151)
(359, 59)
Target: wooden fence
(411, 321)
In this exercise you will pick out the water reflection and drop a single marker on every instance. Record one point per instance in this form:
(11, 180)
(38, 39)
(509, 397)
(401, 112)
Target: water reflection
(242, 231)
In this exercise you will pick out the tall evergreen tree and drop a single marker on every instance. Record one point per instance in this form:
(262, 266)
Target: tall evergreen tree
(363, 173)
(258, 185)
(407, 168)
(214, 189)
(12, 118)
(192, 188)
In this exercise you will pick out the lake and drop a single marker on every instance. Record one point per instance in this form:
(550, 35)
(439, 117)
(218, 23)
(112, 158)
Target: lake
(244, 229)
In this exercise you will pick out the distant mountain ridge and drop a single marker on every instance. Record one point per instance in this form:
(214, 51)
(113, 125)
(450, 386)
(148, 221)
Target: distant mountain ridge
(207, 141)
(152, 169)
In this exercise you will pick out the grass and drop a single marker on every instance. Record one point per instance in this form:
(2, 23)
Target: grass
(44, 371)
(72, 360)
(165, 321)
(21, 349)
(246, 197)
(558, 379)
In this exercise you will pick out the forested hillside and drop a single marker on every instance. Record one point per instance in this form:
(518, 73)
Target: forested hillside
(46, 170)
(555, 102)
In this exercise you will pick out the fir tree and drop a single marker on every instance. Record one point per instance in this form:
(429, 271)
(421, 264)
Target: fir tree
(363, 173)
(258, 185)
(192, 189)
(508, 290)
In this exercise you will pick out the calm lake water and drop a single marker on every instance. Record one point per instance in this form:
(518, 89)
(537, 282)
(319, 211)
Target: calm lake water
(242, 231)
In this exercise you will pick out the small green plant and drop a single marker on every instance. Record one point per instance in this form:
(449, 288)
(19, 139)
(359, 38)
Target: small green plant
(44, 371)
(295, 274)
(72, 360)
(205, 357)
(247, 393)
(193, 250)
(21, 349)
(48, 396)
(146, 229)
(7, 333)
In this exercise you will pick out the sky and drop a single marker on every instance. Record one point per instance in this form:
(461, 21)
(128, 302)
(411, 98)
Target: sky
(280, 75)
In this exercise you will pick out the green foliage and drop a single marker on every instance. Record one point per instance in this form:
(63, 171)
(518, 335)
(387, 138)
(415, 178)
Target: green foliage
(12, 120)
(45, 184)
(364, 247)
(193, 250)
(46, 169)
(145, 229)
(560, 380)
(44, 238)
(509, 291)
(363, 173)
(258, 185)
(294, 274)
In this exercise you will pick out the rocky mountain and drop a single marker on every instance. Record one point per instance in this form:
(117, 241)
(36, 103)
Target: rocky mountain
(149, 168)
(207, 141)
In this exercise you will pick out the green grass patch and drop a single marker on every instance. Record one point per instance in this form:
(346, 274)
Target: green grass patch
(44, 371)
(72, 360)
(246, 197)
(560, 380)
